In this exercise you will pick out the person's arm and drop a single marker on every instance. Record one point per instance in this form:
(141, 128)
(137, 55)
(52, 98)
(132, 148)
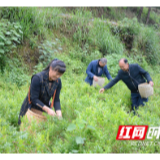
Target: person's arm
(110, 84)
(107, 73)
(88, 71)
(146, 75)
(57, 105)
(35, 93)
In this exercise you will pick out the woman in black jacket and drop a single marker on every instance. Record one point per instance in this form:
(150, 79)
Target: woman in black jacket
(44, 86)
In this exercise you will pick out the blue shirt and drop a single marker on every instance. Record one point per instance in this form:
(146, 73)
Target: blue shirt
(94, 69)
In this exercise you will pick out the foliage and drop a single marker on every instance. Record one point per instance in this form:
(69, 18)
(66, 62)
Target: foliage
(28, 17)
(138, 37)
(100, 36)
(147, 41)
(47, 50)
(10, 36)
(90, 120)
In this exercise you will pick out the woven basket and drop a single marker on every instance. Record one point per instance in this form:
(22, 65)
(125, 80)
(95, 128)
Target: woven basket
(36, 115)
(100, 82)
(145, 90)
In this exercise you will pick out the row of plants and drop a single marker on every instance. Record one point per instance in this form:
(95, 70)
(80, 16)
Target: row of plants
(90, 120)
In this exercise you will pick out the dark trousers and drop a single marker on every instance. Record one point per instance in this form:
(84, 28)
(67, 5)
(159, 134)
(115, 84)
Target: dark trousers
(137, 101)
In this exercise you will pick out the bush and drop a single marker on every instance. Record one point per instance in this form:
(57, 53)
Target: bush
(147, 41)
(11, 35)
(28, 17)
(100, 36)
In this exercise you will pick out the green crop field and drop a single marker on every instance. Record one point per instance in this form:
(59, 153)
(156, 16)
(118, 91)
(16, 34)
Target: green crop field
(90, 120)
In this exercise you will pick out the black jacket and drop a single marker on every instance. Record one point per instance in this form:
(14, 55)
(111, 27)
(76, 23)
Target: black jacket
(41, 93)
(135, 76)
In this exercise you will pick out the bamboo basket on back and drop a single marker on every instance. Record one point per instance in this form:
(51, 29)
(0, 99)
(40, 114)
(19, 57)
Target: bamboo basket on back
(35, 114)
(32, 115)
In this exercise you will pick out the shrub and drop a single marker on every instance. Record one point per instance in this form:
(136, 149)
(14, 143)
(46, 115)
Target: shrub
(10, 36)
(28, 17)
(100, 35)
(147, 41)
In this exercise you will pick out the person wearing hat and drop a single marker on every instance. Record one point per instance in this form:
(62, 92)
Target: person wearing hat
(95, 69)
(132, 75)
(44, 86)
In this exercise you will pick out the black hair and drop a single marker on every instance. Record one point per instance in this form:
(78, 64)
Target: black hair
(56, 65)
(125, 60)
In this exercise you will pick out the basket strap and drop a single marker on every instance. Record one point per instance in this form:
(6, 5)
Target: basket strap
(53, 97)
(29, 99)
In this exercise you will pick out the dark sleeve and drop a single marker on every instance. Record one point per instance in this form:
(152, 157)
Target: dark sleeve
(144, 73)
(35, 91)
(112, 82)
(88, 71)
(107, 73)
(57, 105)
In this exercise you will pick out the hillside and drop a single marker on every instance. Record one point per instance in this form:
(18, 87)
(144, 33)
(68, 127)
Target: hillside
(31, 37)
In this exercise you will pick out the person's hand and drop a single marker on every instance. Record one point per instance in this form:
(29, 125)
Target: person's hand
(101, 90)
(151, 83)
(49, 111)
(95, 78)
(59, 114)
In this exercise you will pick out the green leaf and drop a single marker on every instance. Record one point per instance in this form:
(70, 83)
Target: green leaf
(71, 127)
(16, 34)
(15, 39)
(90, 127)
(16, 26)
(2, 37)
(2, 51)
(8, 42)
(20, 31)
(8, 33)
(44, 52)
(81, 126)
(1, 44)
(80, 140)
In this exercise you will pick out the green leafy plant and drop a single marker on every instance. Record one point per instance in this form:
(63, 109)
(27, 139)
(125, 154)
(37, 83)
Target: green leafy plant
(11, 35)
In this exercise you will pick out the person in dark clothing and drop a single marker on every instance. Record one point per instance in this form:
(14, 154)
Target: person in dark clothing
(95, 69)
(132, 75)
(44, 86)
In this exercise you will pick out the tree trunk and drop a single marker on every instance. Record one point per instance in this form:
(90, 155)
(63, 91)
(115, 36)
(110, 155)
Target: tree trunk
(149, 10)
(140, 13)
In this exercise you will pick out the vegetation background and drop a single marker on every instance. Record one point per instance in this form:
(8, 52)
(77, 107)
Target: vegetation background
(30, 37)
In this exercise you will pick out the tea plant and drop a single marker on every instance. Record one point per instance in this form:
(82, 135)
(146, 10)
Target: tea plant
(90, 120)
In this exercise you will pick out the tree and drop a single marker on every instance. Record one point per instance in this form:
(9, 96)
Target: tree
(140, 13)
(148, 14)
